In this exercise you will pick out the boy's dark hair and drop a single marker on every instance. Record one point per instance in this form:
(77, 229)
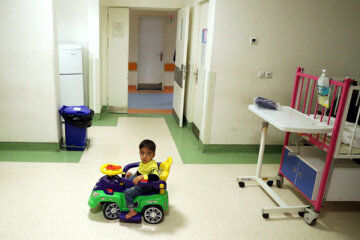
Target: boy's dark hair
(148, 144)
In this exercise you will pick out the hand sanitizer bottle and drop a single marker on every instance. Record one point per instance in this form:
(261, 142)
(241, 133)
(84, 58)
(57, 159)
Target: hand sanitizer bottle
(323, 84)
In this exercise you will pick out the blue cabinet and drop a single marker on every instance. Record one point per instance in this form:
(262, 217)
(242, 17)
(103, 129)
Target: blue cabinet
(306, 180)
(290, 166)
(305, 169)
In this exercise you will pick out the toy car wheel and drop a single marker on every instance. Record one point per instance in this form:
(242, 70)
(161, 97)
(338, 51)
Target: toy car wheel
(153, 214)
(241, 184)
(111, 210)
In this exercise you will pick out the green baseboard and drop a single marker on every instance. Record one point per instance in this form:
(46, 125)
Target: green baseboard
(97, 116)
(26, 146)
(104, 109)
(208, 148)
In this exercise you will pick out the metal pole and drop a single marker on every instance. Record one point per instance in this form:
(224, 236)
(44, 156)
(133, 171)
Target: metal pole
(262, 147)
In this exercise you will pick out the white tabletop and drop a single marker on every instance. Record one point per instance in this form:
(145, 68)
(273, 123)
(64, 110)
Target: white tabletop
(290, 120)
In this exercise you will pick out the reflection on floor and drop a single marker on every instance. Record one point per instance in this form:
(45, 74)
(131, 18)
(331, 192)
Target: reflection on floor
(150, 101)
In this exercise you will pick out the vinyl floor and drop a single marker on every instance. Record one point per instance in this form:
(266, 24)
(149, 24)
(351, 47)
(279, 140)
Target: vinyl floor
(44, 200)
(150, 101)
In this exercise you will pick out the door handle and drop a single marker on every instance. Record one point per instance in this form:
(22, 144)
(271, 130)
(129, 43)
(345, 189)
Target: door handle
(183, 68)
(161, 55)
(196, 74)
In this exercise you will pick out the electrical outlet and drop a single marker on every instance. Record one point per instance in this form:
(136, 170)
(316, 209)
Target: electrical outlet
(268, 74)
(261, 74)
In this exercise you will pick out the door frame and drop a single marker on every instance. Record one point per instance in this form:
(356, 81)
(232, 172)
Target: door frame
(194, 18)
(102, 83)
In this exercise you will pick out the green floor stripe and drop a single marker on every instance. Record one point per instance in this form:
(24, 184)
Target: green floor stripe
(191, 150)
(24, 146)
(40, 156)
(36, 152)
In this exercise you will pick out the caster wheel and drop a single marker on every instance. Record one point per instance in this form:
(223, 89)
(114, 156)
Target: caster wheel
(270, 183)
(279, 181)
(309, 220)
(241, 184)
(301, 214)
(265, 215)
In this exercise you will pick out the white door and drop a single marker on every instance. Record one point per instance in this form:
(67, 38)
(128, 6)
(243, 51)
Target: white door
(118, 58)
(180, 63)
(201, 71)
(151, 37)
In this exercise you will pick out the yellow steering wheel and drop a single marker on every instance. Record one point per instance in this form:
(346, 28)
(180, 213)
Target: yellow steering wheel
(111, 169)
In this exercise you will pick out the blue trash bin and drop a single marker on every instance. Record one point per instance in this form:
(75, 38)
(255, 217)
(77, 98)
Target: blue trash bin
(77, 120)
(75, 137)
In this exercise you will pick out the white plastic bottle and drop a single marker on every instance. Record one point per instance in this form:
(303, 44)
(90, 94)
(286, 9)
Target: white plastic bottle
(323, 84)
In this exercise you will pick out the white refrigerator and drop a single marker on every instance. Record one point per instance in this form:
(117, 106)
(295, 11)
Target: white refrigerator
(71, 75)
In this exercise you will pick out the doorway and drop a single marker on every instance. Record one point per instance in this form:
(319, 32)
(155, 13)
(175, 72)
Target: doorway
(151, 61)
(151, 48)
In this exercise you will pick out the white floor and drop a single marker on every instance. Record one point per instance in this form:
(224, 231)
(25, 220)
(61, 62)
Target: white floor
(49, 200)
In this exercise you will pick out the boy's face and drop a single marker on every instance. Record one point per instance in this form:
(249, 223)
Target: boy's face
(146, 155)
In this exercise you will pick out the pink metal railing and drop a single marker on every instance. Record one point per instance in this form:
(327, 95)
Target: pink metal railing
(338, 90)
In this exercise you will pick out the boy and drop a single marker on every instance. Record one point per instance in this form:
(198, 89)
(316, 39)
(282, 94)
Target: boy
(148, 170)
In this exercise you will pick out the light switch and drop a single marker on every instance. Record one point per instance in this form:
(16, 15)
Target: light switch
(261, 74)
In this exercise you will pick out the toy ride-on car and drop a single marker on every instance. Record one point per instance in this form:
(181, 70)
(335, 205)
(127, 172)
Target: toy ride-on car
(109, 191)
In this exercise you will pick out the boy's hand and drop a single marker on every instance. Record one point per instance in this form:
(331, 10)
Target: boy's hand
(128, 174)
(137, 179)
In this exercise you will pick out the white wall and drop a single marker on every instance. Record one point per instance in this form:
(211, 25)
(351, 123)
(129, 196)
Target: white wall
(95, 91)
(169, 41)
(312, 34)
(29, 92)
(72, 21)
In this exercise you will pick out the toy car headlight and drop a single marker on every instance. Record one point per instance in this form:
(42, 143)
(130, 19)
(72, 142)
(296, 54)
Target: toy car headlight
(95, 194)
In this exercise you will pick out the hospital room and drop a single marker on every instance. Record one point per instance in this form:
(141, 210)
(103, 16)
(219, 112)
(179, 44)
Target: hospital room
(181, 119)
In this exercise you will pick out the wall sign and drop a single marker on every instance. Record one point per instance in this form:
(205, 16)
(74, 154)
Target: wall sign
(118, 28)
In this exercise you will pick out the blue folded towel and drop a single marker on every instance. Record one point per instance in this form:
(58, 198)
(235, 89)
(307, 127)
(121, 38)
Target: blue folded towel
(266, 103)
